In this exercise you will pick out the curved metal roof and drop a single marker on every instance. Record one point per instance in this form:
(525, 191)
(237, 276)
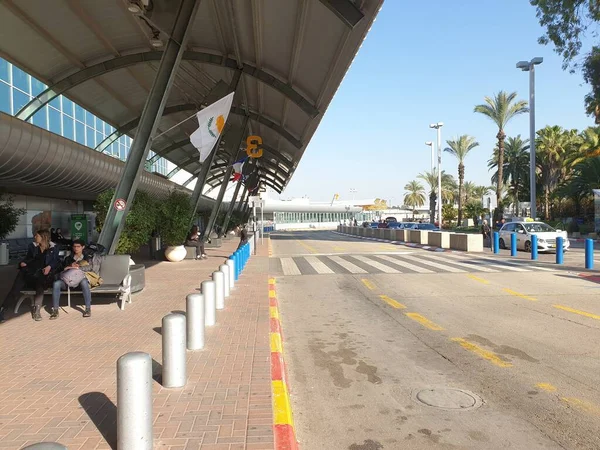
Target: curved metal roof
(292, 56)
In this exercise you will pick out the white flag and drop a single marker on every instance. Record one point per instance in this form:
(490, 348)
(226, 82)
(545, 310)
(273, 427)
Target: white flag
(211, 121)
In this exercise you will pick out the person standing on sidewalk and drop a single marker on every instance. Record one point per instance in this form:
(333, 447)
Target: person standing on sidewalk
(243, 236)
(485, 231)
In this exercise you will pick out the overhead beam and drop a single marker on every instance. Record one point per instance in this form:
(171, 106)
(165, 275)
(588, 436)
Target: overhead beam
(122, 62)
(346, 11)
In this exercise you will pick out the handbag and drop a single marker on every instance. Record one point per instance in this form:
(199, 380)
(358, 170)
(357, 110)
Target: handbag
(72, 277)
(93, 278)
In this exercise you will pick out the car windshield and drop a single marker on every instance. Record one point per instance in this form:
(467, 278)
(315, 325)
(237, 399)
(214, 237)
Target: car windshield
(426, 226)
(538, 228)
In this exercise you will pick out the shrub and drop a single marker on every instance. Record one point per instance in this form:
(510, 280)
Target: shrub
(174, 218)
(139, 223)
(9, 215)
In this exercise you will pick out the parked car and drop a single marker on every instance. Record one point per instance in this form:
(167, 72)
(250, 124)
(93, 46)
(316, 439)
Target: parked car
(545, 233)
(426, 226)
(408, 225)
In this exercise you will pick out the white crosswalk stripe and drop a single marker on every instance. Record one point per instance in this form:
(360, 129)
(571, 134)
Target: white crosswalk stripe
(405, 264)
(515, 265)
(461, 264)
(289, 267)
(443, 267)
(347, 265)
(375, 264)
(319, 266)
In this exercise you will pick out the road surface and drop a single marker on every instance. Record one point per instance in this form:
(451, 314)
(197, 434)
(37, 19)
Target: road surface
(391, 347)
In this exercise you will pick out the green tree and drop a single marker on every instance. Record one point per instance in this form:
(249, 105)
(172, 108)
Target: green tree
(415, 195)
(174, 218)
(588, 146)
(431, 178)
(516, 167)
(460, 148)
(449, 213)
(500, 109)
(9, 215)
(474, 210)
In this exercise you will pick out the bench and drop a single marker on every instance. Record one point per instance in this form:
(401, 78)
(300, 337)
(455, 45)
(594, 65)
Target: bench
(114, 270)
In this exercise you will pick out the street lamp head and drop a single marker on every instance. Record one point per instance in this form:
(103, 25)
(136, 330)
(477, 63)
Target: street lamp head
(429, 143)
(537, 60)
(523, 65)
(436, 125)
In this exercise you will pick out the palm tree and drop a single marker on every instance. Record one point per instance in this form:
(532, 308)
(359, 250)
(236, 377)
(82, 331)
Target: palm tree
(501, 109)
(588, 146)
(415, 195)
(431, 178)
(516, 167)
(459, 148)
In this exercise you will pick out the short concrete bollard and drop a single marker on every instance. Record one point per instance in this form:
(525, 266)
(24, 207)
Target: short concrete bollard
(219, 279)
(231, 265)
(134, 401)
(45, 446)
(210, 314)
(194, 314)
(225, 269)
(173, 351)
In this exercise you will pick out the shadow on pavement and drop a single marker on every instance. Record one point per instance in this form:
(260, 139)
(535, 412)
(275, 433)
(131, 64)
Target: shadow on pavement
(103, 413)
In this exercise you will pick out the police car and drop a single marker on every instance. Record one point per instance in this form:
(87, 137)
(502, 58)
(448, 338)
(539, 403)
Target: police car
(546, 235)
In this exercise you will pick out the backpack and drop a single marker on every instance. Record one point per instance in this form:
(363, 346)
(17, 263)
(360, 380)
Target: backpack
(94, 249)
(72, 277)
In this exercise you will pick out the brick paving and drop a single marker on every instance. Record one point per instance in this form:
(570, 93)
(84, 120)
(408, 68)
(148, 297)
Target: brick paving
(58, 378)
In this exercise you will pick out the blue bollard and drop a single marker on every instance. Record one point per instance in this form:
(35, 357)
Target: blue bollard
(513, 244)
(589, 253)
(496, 242)
(534, 247)
(238, 264)
(560, 255)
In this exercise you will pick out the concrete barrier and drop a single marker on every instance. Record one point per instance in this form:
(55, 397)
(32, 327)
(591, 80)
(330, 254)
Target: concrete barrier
(370, 232)
(466, 242)
(440, 239)
(387, 234)
(401, 235)
(379, 233)
(413, 236)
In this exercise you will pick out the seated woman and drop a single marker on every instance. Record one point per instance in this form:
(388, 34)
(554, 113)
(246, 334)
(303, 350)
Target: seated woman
(193, 240)
(36, 271)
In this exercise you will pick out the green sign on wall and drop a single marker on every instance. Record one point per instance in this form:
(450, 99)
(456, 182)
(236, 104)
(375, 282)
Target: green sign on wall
(79, 227)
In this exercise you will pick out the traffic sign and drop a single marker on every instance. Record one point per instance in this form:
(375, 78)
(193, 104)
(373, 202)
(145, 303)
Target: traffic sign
(120, 204)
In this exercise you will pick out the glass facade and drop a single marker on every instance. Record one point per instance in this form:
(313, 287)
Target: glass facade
(308, 217)
(61, 116)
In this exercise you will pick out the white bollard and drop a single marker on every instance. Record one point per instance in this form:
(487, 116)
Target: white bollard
(210, 314)
(219, 280)
(194, 314)
(45, 446)
(173, 351)
(134, 401)
(231, 264)
(225, 269)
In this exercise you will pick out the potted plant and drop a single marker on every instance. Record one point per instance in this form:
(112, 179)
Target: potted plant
(173, 223)
(9, 215)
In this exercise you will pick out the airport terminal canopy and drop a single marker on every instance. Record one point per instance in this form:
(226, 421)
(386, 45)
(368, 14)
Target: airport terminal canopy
(290, 57)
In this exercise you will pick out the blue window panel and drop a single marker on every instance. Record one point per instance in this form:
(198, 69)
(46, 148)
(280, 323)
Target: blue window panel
(19, 100)
(90, 119)
(40, 118)
(5, 97)
(37, 86)
(91, 137)
(99, 137)
(79, 113)
(68, 127)
(20, 79)
(80, 132)
(56, 103)
(67, 106)
(4, 70)
(122, 152)
(54, 121)
(108, 129)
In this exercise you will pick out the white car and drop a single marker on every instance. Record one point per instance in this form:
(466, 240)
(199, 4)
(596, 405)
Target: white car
(546, 236)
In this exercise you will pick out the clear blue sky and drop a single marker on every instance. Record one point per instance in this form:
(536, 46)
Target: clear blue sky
(425, 62)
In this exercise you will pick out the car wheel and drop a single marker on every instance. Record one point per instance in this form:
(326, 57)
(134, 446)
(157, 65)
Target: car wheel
(502, 244)
(528, 246)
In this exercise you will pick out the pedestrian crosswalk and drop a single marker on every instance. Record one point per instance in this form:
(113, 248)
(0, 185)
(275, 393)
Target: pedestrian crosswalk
(398, 263)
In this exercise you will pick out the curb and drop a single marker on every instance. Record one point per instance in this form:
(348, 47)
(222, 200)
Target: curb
(407, 244)
(283, 421)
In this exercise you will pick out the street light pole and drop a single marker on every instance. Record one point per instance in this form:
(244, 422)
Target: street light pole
(529, 66)
(438, 126)
(430, 143)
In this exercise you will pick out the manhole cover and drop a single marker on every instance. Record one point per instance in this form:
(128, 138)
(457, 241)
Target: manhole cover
(448, 398)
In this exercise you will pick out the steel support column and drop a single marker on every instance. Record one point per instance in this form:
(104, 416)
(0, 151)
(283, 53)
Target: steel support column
(235, 141)
(231, 206)
(205, 168)
(151, 115)
(242, 198)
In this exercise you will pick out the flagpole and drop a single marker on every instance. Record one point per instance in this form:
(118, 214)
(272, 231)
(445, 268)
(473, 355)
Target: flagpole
(175, 126)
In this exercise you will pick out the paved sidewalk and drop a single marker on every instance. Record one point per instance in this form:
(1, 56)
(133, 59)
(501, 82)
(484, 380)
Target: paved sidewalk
(58, 378)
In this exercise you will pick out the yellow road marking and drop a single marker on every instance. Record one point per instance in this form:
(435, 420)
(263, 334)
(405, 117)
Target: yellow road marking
(582, 404)
(271, 280)
(424, 321)
(368, 284)
(518, 294)
(393, 303)
(272, 293)
(282, 408)
(273, 312)
(481, 280)
(276, 345)
(306, 246)
(546, 387)
(490, 356)
(576, 311)
(337, 248)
